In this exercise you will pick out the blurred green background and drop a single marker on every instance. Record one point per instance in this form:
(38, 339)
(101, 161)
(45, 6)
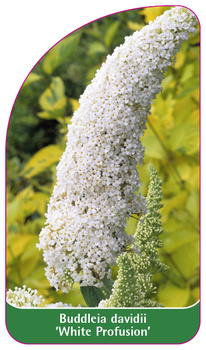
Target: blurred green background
(36, 139)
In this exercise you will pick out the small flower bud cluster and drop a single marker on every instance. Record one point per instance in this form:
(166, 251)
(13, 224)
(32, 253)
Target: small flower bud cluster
(126, 291)
(24, 297)
(97, 177)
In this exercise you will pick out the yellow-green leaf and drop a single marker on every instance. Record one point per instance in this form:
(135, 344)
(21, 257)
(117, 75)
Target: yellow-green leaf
(151, 13)
(52, 94)
(153, 147)
(193, 205)
(176, 239)
(16, 244)
(60, 52)
(185, 139)
(183, 110)
(196, 293)
(187, 73)
(111, 32)
(189, 87)
(195, 177)
(75, 296)
(32, 78)
(91, 73)
(42, 160)
(14, 212)
(27, 266)
(168, 82)
(131, 225)
(134, 26)
(172, 296)
(45, 115)
(186, 258)
(40, 201)
(163, 108)
(37, 202)
(53, 101)
(176, 201)
(96, 47)
(37, 279)
(30, 249)
(180, 58)
(74, 103)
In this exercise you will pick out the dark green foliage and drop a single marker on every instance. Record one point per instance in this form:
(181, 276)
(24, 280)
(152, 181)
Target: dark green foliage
(93, 295)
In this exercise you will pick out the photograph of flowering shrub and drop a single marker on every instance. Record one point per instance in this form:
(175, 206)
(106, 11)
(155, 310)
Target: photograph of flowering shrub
(103, 167)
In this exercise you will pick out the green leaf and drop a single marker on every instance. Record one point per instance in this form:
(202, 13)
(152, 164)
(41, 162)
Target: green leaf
(183, 110)
(107, 288)
(60, 52)
(21, 206)
(30, 249)
(134, 25)
(27, 266)
(91, 73)
(176, 201)
(32, 78)
(185, 139)
(153, 147)
(16, 244)
(96, 47)
(74, 103)
(186, 258)
(195, 39)
(196, 293)
(37, 202)
(193, 205)
(177, 238)
(53, 101)
(131, 225)
(172, 296)
(37, 279)
(187, 73)
(40, 201)
(42, 160)
(93, 295)
(180, 59)
(14, 212)
(151, 13)
(189, 87)
(75, 296)
(111, 32)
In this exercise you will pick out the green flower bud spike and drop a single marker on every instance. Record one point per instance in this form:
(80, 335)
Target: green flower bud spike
(133, 285)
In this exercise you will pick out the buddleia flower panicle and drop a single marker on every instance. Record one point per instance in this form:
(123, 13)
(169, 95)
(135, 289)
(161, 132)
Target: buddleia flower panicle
(133, 285)
(97, 177)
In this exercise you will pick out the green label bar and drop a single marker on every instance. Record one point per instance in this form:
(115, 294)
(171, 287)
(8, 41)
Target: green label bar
(80, 325)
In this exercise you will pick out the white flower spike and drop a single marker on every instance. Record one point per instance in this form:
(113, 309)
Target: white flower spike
(97, 178)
